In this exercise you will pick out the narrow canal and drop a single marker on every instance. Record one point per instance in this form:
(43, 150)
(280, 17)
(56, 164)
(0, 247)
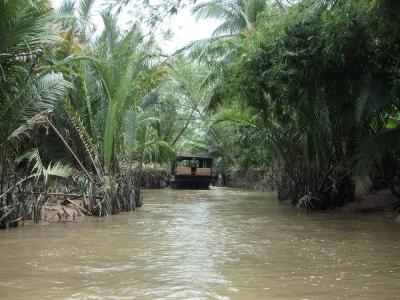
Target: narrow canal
(216, 244)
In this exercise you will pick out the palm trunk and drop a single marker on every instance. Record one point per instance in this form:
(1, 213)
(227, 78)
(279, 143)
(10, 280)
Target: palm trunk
(183, 129)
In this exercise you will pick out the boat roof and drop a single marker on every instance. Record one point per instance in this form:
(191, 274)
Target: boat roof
(183, 157)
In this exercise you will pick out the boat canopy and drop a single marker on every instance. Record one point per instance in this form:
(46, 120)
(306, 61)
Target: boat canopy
(193, 161)
(190, 157)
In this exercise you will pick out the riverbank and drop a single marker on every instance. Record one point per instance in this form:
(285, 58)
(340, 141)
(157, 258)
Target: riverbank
(378, 205)
(56, 211)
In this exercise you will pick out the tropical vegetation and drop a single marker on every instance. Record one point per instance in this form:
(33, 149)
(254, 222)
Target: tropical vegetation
(305, 90)
(314, 89)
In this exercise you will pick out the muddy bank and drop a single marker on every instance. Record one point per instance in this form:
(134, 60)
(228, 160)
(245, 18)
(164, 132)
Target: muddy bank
(381, 200)
(56, 211)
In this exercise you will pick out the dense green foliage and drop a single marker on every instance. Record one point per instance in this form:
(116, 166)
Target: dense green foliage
(73, 107)
(308, 90)
(317, 88)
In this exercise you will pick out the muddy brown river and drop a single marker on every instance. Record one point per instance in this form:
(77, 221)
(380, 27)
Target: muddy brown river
(216, 244)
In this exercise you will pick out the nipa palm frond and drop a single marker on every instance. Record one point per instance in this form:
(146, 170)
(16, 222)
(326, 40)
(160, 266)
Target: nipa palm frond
(31, 125)
(84, 136)
(56, 170)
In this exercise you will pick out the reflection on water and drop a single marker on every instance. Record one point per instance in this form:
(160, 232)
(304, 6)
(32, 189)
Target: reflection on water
(217, 244)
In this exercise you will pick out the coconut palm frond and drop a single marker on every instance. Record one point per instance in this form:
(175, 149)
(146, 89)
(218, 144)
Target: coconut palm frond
(235, 116)
(236, 16)
(214, 9)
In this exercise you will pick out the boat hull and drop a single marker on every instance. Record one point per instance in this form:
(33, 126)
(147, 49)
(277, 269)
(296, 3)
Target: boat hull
(191, 182)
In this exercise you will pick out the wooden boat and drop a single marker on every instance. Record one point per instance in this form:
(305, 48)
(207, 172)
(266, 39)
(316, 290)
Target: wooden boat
(191, 172)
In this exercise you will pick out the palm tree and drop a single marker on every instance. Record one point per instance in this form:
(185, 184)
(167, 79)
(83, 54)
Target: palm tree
(237, 16)
(111, 76)
(29, 92)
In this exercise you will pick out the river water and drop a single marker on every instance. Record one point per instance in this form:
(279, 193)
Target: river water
(216, 244)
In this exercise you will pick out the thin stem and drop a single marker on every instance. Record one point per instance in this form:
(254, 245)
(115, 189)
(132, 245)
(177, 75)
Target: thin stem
(70, 150)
